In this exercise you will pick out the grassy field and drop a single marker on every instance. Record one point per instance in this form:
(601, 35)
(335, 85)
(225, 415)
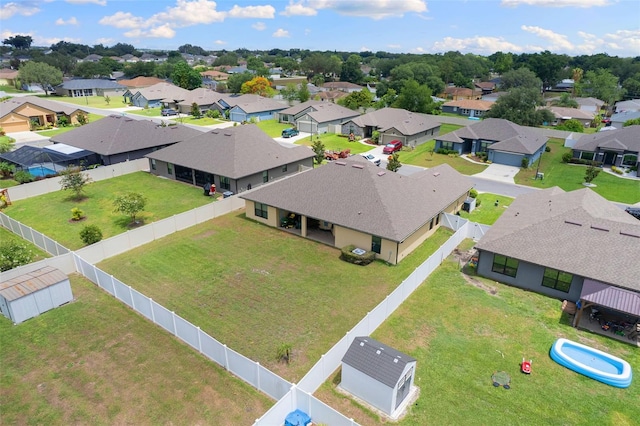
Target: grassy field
(164, 198)
(149, 112)
(272, 127)
(96, 362)
(254, 287)
(53, 132)
(8, 88)
(334, 142)
(8, 183)
(204, 121)
(463, 330)
(571, 176)
(91, 101)
(6, 236)
(488, 212)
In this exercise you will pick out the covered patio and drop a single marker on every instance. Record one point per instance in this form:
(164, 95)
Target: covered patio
(610, 311)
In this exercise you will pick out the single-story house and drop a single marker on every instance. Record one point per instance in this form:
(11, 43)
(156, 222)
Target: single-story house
(618, 119)
(563, 114)
(280, 83)
(329, 95)
(629, 105)
(234, 159)
(118, 138)
(457, 93)
(215, 75)
(378, 374)
(503, 141)
(19, 114)
(353, 202)
(88, 87)
(206, 99)
(593, 105)
(91, 58)
(568, 245)
(140, 82)
(246, 107)
(485, 86)
(412, 128)
(160, 94)
(34, 293)
(342, 86)
(129, 58)
(619, 147)
(492, 97)
(316, 117)
(467, 107)
(8, 77)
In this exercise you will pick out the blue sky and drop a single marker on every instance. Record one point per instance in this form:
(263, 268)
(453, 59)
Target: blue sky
(574, 27)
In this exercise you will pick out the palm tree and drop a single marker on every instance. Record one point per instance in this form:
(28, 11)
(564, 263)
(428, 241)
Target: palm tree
(576, 74)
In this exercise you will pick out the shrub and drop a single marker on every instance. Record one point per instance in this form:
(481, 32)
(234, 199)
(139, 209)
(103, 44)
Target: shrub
(6, 169)
(283, 353)
(2, 132)
(617, 170)
(478, 202)
(76, 213)
(547, 148)
(82, 119)
(348, 255)
(90, 234)
(583, 161)
(473, 193)
(22, 176)
(63, 121)
(446, 151)
(14, 254)
(525, 163)
(212, 113)
(566, 157)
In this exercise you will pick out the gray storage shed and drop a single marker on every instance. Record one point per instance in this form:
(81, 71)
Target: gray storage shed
(29, 295)
(378, 374)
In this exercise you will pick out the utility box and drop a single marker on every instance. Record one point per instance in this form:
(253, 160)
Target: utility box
(227, 194)
(469, 204)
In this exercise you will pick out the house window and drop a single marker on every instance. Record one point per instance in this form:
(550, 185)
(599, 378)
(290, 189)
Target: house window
(225, 182)
(169, 168)
(88, 92)
(284, 169)
(285, 118)
(153, 164)
(265, 176)
(437, 220)
(261, 210)
(558, 280)
(446, 145)
(587, 155)
(376, 244)
(433, 221)
(629, 160)
(464, 111)
(505, 265)
(483, 145)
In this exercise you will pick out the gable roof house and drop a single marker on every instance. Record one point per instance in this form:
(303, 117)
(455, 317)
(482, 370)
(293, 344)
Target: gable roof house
(372, 209)
(342, 86)
(160, 94)
(563, 114)
(246, 107)
(8, 77)
(88, 87)
(568, 245)
(485, 86)
(629, 105)
(21, 113)
(234, 159)
(140, 82)
(619, 118)
(590, 104)
(91, 58)
(467, 107)
(503, 141)
(316, 117)
(206, 99)
(412, 128)
(618, 147)
(458, 93)
(378, 374)
(116, 138)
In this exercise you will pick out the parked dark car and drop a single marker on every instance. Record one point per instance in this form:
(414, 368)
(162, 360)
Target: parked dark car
(633, 211)
(287, 133)
(392, 147)
(168, 111)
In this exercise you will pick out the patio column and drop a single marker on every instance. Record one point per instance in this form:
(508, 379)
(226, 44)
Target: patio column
(303, 226)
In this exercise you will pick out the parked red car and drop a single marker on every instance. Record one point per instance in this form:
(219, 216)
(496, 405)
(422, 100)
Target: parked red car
(392, 147)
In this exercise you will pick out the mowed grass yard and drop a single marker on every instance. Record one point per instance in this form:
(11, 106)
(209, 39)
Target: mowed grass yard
(96, 362)
(6, 236)
(49, 133)
(571, 176)
(335, 142)
(254, 288)
(91, 101)
(272, 127)
(461, 331)
(51, 213)
(487, 213)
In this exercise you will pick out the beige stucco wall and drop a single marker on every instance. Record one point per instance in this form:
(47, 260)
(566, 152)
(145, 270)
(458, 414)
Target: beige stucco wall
(346, 236)
(272, 214)
(455, 207)
(417, 238)
(14, 123)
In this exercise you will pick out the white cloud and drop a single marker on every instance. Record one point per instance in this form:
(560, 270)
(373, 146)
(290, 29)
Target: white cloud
(374, 9)
(260, 26)
(25, 8)
(394, 46)
(123, 20)
(47, 41)
(105, 40)
(365, 49)
(307, 31)
(476, 44)
(98, 2)
(187, 13)
(298, 9)
(70, 21)
(280, 33)
(558, 41)
(628, 40)
(557, 3)
(219, 42)
(163, 31)
(260, 12)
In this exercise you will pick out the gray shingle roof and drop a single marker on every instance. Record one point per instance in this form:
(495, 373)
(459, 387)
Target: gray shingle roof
(377, 360)
(91, 83)
(233, 152)
(577, 232)
(367, 198)
(118, 134)
(201, 96)
(562, 112)
(9, 105)
(328, 111)
(406, 122)
(296, 109)
(163, 91)
(508, 136)
(254, 103)
(625, 139)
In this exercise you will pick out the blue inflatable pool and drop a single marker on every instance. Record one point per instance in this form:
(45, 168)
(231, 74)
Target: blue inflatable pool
(592, 363)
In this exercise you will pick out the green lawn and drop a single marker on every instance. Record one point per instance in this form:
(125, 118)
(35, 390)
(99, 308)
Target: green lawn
(57, 131)
(165, 198)
(8, 183)
(91, 101)
(570, 177)
(96, 362)
(487, 213)
(219, 276)
(334, 142)
(6, 236)
(204, 121)
(7, 88)
(148, 112)
(272, 127)
(461, 332)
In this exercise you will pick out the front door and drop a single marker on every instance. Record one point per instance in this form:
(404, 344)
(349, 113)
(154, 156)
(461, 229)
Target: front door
(609, 157)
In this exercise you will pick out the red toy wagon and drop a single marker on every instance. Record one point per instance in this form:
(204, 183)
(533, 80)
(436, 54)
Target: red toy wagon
(525, 367)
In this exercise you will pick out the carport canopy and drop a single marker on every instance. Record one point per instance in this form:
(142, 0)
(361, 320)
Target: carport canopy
(611, 297)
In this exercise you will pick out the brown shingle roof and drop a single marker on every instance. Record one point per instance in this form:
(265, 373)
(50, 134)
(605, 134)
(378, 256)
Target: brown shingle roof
(8, 73)
(477, 105)
(406, 122)
(140, 82)
(367, 198)
(9, 105)
(577, 232)
(234, 152)
(341, 85)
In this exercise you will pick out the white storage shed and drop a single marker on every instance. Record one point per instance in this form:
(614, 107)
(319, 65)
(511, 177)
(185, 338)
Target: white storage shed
(29, 295)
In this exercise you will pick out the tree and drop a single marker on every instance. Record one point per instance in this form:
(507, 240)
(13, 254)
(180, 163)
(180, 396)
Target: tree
(303, 93)
(602, 84)
(6, 144)
(351, 70)
(39, 73)
(195, 110)
(14, 254)
(521, 77)
(289, 93)
(19, 41)
(131, 204)
(6, 169)
(631, 86)
(90, 234)
(318, 148)
(258, 86)
(576, 75)
(571, 125)
(520, 106)
(591, 173)
(186, 77)
(74, 180)
(140, 68)
(91, 70)
(393, 163)
(235, 81)
(356, 100)
(632, 122)
(415, 98)
(566, 101)
(107, 99)
(388, 99)
(502, 62)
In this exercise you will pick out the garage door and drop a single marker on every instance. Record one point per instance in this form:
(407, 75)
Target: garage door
(507, 158)
(15, 127)
(238, 116)
(305, 126)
